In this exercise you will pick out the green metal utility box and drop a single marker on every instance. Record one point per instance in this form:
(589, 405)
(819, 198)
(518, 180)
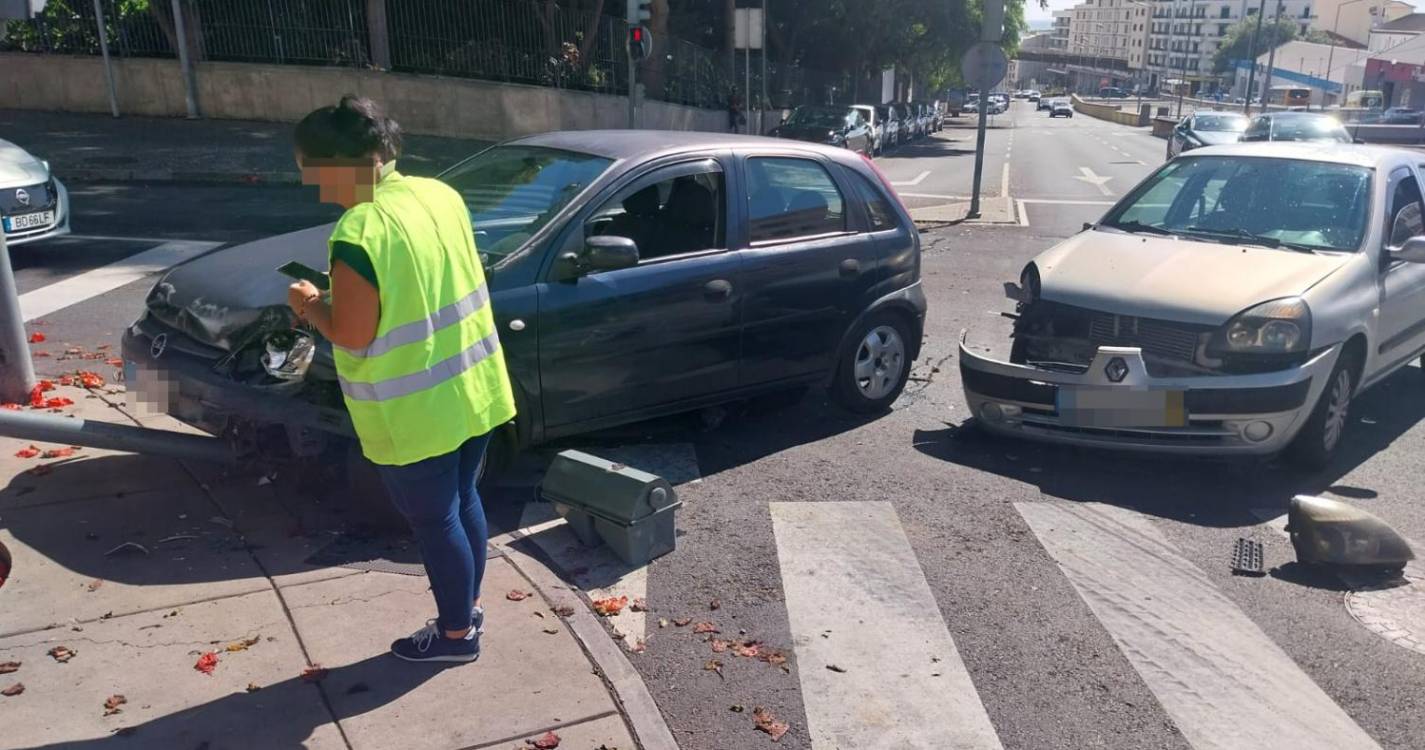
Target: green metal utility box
(605, 502)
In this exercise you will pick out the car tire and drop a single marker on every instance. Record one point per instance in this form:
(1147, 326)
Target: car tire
(875, 367)
(1320, 438)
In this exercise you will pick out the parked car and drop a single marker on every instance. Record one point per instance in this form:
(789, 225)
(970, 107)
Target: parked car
(833, 126)
(1235, 301)
(34, 204)
(890, 126)
(621, 268)
(1296, 126)
(1043, 103)
(927, 118)
(875, 123)
(955, 103)
(1034, 96)
(1060, 107)
(1400, 116)
(1206, 129)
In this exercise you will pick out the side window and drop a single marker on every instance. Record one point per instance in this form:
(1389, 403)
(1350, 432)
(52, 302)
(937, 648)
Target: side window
(1257, 131)
(679, 211)
(1406, 220)
(878, 207)
(790, 198)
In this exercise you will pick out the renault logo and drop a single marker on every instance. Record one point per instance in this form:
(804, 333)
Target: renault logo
(160, 344)
(1116, 369)
(23, 196)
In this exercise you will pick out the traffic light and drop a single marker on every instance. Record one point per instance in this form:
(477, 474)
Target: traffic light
(638, 12)
(640, 42)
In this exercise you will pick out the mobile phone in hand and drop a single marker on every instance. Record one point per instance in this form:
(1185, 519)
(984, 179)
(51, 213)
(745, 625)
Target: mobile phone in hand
(303, 272)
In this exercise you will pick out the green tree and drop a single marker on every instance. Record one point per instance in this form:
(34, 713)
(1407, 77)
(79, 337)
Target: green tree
(1238, 42)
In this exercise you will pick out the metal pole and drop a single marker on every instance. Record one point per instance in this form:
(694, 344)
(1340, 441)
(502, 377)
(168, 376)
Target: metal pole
(747, 74)
(108, 64)
(979, 153)
(1271, 58)
(632, 86)
(1252, 56)
(17, 372)
(43, 428)
(190, 88)
(762, 109)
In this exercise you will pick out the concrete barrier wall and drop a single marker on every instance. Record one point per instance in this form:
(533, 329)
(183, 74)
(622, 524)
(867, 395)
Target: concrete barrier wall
(430, 105)
(1109, 112)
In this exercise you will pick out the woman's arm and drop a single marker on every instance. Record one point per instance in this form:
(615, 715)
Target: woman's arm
(350, 321)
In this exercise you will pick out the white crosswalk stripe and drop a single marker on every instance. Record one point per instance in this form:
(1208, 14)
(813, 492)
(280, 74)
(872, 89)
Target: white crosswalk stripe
(1224, 682)
(76, 289)
(858, 601)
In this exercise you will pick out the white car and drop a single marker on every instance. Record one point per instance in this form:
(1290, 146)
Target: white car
(33, 204)
(1232, 303)
(1060, 107)
(872, 117)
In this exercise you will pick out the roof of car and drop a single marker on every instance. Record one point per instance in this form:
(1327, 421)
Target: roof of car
(1296, 116)
(622, 144)
(1339, 153)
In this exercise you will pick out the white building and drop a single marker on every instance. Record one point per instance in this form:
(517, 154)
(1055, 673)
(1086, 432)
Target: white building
(1330, 72)
(1396, 32)
(1110, 38)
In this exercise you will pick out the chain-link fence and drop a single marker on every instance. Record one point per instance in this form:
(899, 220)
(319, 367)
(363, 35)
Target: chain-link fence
(518, 41)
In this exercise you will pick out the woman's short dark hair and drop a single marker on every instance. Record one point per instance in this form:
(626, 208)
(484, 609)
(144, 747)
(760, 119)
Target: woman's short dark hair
(354, 129)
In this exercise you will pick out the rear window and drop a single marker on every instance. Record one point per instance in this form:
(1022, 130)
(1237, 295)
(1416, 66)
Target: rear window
(792, 198)
(1308, 129)
(878, 207)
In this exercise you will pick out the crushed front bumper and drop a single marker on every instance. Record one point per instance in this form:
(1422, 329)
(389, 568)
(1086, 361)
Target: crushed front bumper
(1115, 403)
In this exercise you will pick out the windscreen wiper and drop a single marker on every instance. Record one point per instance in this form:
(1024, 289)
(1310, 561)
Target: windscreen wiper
(1238, 234)
(1135, 227)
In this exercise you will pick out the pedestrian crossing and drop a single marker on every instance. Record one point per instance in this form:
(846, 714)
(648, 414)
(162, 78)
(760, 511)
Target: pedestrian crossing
(877, 663)
(83, 286)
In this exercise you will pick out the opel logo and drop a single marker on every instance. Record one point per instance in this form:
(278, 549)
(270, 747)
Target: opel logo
(23, 196)
(160, 344)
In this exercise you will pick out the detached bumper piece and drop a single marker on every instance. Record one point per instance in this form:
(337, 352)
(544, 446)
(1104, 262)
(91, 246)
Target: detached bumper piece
(1116, 402)
(1248, 558)
(604, 502)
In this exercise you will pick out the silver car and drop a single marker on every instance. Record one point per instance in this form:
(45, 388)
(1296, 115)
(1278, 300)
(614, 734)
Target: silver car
(1233, 302)
(33, 204)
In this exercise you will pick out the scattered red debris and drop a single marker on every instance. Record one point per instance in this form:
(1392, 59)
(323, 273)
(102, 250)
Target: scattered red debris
(114, 362)
(29, 452)
(549, 741)
(610, 606)
(639, 605)
(41, 355)
(62, 654)
(58, 453)
(6, 667)
(37, 338)
(705, 627)
(111, 705)
(682, 621)
(55, 403)
(90, 379)
(516, 595)
(11, 407)
(766, 722)
(13, 690)
(207, 663)
(314, 673)
(66, 380)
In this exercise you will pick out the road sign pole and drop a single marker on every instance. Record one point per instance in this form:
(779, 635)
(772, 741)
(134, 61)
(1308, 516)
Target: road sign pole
(17, 372)
(984, 65)
(979, 156)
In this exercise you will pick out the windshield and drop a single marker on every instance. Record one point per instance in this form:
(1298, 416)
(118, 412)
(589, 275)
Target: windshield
(1230, 123)
(817, 118)
(1308, 129)
(513, 191)
(1304, 205)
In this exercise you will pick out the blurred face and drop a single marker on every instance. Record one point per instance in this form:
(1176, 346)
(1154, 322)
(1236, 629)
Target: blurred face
(345, 182)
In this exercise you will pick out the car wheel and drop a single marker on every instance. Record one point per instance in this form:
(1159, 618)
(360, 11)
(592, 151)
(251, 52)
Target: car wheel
(876, 366)
(1320, 437)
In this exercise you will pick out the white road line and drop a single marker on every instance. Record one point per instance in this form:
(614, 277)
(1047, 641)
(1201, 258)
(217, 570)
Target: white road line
(1004, 182)
(936, 196)
(76, 289)
(1224, 682)
(113, 238)
(912, 183)
(1097, 180)
(858, 601)
(1059, 202)
(1023, 217)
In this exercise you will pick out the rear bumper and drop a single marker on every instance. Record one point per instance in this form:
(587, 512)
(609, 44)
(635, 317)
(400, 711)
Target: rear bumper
(1227, 414)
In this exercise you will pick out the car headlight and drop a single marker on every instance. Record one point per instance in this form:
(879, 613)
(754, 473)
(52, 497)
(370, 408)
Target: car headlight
(1029, 283)
(1280, 326)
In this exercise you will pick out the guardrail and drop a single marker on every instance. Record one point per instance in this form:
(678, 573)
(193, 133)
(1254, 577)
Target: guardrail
(1109, 112)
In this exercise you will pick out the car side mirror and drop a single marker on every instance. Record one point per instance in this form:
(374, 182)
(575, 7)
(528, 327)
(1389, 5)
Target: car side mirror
(608, 253)
(1413, 251)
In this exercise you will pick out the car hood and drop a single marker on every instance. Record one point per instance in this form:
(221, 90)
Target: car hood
(225, 299)
(1216, 137)
(18, 167)
(1174, 279)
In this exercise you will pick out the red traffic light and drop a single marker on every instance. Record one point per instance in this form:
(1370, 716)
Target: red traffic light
(640, 42)
(636, 34)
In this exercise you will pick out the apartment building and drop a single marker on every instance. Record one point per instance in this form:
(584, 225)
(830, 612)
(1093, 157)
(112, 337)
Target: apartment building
(1184, 34)
(1110, 38)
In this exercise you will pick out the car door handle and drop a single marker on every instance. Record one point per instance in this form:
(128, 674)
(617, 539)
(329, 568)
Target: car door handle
(850, 268)
(717, 290)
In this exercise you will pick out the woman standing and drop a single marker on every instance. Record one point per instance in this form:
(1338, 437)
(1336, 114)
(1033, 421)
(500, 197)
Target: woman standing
(416, 351)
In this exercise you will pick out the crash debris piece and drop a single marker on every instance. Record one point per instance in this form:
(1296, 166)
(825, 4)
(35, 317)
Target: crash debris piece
(705, 627)
(112, 703)
(7, 667)
(766, 722)
(515, 595)
(62, 654)
(242, 645)
(314, 673)
(1248, 558)
(1329, 532)
(13, 690)
(611, 606)
(547, 741)
(207, 663)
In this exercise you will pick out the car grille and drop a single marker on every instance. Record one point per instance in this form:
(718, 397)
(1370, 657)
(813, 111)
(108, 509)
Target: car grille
(1158, 337)
(42, 197)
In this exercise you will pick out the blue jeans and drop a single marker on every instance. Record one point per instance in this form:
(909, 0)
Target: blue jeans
(439, 499)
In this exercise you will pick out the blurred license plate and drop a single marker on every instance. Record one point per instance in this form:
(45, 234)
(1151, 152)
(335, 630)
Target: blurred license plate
(1120, 407)
(28, 221)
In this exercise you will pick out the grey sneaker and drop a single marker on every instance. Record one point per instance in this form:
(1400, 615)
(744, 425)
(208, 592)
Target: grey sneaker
(477, 621)
(427, 644)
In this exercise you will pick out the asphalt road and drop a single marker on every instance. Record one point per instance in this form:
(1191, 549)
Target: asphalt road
(913, 571)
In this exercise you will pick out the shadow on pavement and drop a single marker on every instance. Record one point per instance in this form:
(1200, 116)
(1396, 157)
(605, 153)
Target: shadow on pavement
(1216, 492)
(268, 717)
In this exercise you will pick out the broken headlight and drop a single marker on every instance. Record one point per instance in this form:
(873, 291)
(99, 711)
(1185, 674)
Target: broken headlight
(1281, 326)
(1332, 532)
(287, 354)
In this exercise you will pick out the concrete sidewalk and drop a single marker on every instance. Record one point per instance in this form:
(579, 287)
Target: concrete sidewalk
(153, 149)
(140, 566)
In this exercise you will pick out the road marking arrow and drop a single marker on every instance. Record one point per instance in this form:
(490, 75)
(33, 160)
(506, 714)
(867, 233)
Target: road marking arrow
(1095, 179)
(912, 183)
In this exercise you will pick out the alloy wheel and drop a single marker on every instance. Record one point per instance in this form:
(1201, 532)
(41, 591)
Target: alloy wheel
(880, 360)
(1338, 408)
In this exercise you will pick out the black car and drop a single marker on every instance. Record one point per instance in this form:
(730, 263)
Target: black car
(1206, 129)
(633, 274)
(843, 127)
(1296, 126)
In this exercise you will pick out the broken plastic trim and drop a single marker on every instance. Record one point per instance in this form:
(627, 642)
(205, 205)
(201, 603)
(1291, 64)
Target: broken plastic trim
(1330, 532)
